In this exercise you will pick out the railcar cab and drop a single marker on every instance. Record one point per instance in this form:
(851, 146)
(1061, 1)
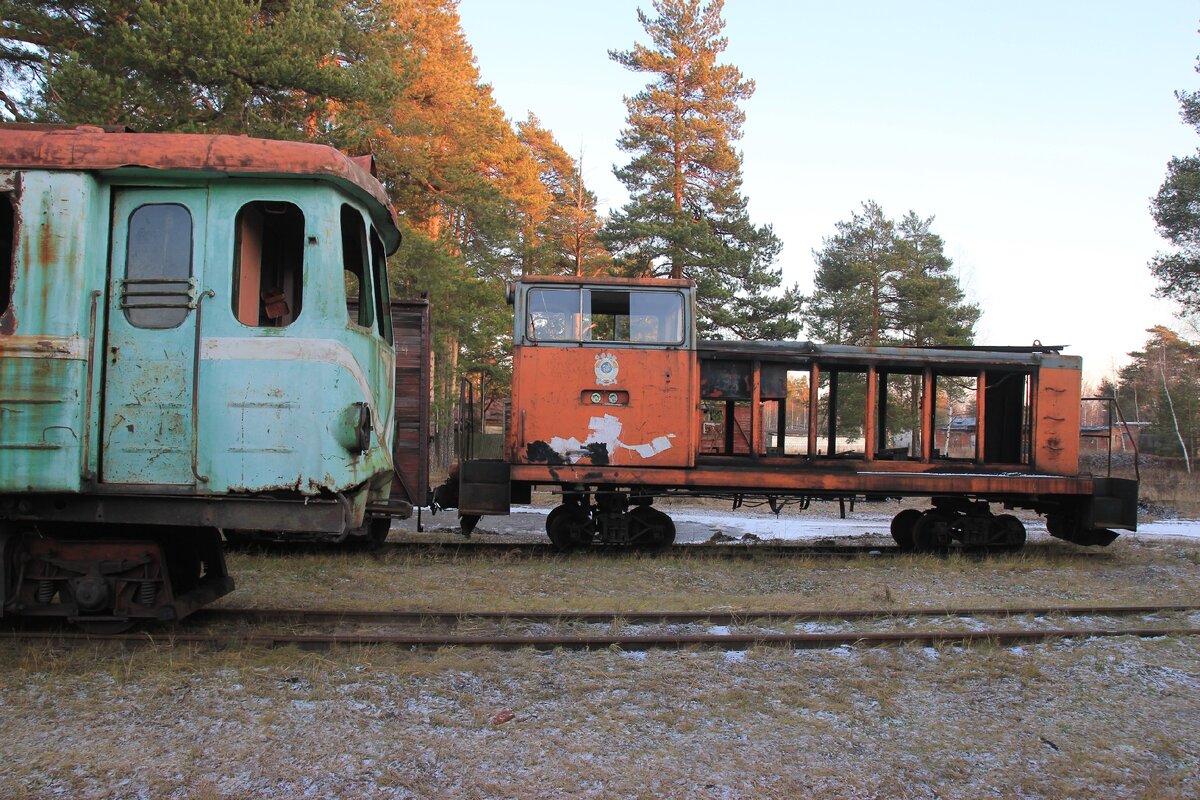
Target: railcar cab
(195, 335)
(603, 372)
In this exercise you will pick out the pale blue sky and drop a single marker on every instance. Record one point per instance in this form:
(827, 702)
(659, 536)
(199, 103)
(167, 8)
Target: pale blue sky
(1035, 132)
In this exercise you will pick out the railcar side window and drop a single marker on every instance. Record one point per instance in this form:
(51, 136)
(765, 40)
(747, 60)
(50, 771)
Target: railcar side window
(8, 251)
(553, 315)
(268, 264)
(383, 305)
(354, 261)
(158, 266)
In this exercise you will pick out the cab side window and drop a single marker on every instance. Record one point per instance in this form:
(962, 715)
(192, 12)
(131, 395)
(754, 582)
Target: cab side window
(268, 264)
(359, 302)
(383, 304)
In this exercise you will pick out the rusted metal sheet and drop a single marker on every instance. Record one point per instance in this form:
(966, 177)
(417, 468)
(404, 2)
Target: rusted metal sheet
(604, 406)
(1056, 421)
(90, 148)
(48, 334)
(410, 451)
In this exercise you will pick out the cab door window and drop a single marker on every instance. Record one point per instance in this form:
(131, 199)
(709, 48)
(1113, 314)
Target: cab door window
(158, 266)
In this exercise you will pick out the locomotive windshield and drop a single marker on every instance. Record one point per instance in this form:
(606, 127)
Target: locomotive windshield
(605, 315)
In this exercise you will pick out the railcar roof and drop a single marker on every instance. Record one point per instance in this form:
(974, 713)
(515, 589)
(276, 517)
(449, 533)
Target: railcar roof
(92, 148)
(895, 356)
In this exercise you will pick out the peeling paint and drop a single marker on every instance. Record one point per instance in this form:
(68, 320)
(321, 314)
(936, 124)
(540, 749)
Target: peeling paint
(602, 441)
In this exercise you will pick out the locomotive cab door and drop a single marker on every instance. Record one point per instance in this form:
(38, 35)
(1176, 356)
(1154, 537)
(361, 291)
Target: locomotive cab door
(150, 364)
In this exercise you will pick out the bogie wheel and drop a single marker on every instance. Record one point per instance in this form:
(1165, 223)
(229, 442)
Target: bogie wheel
(931, 533)
(650, 529)
(902, 527)
(556, 512)
(102, 627)
(570, 528)
(1008, 533)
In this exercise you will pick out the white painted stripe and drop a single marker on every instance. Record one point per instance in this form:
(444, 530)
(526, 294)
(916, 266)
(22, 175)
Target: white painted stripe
(57, 347)
(321, 351)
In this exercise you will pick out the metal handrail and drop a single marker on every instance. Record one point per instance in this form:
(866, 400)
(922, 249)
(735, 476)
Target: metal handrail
(1114, 405)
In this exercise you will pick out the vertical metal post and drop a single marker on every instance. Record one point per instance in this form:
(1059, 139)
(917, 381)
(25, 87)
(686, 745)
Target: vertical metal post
(814, 380)
(756, 422)
(928, 387)
(869, 418)
(980, 414)
(833, 404)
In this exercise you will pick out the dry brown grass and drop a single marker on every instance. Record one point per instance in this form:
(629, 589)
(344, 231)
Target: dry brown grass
(1129, 572)
(1172, 489)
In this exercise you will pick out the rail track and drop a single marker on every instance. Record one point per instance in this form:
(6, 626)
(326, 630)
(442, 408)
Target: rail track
(439, 629)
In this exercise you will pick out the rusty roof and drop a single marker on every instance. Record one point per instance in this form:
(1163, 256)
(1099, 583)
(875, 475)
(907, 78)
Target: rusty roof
(608, 280)
(92, 148)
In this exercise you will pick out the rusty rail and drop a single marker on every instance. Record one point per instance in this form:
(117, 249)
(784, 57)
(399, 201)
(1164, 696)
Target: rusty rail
(310, 615)
(628, 642)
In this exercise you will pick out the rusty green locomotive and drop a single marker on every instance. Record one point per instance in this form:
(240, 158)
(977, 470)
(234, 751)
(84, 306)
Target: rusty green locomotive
(195, 337)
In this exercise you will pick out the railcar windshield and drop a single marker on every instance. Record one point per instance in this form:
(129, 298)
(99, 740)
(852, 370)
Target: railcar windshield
(605, 315)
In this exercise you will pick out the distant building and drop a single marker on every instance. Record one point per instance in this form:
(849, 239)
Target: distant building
(1096, 438)
(955, 437)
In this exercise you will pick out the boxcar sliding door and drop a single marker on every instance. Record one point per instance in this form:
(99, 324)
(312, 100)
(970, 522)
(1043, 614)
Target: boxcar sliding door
(150, 351)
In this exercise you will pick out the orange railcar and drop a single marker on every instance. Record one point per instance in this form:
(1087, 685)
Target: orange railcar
(615, 403)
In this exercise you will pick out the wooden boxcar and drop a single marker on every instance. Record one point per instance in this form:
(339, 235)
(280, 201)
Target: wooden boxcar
(615, 403)
(182, 351)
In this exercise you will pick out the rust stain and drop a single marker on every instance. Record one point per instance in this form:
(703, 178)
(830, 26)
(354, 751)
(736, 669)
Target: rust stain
(8, 322)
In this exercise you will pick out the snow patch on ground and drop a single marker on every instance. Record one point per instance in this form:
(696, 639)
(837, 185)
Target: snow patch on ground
(793, 528)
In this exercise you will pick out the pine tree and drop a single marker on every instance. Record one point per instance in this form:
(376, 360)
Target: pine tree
(564, 237)
(1161, 385)
(276, 69)
(882, 283)
(686, 216)
(1176, 212)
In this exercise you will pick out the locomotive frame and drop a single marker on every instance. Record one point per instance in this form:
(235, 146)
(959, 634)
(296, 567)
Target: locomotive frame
(611, 391)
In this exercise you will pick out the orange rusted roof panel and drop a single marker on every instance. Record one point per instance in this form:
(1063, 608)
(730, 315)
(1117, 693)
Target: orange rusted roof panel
(605, 280)
(91, 148)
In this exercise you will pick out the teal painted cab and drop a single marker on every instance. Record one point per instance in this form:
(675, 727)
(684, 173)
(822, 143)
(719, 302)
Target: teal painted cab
(195, 334)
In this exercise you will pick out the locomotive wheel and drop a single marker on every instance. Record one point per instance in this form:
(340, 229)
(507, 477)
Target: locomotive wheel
(377, 532)
(1008, 533)
(931, 533)
(570, 528)
(652, 528)
(902, 527)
